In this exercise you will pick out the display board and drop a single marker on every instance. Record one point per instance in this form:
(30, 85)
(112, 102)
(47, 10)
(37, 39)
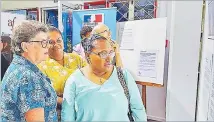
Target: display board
(8, 20)
(205, 111)
(92, 17)
(142, 48)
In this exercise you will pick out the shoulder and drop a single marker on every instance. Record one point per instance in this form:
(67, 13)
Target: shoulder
(127, 75)
(17, 72)
(123, 70)
(47, 65)
(23, 79)
(73, 56)
(74, 77)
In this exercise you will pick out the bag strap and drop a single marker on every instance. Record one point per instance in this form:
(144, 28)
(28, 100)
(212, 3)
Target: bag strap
(124, 85)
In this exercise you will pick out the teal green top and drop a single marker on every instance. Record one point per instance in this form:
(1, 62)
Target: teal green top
(84, 100)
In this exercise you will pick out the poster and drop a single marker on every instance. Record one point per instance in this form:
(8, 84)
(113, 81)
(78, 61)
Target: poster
(210, 114)
(22, 12)
(147, 66)
(211, 18)
(126, 35)
(32, 15)
(8, 20)
(92, 17)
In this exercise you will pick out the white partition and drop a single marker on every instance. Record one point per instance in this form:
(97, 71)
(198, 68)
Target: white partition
(205, 111)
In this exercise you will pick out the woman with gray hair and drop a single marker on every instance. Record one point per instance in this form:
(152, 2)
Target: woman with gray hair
(27, 94)
(100, 91)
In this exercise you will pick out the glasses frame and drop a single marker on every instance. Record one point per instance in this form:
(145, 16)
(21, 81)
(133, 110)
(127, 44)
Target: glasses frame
(111, 54)
(52, 45)
(44, 45)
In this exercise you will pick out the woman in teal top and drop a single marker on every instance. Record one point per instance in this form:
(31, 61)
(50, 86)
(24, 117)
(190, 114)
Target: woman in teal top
(94, 93)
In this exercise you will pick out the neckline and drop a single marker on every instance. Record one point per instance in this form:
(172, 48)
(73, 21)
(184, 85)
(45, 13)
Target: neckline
(91, 82)
(55, 61)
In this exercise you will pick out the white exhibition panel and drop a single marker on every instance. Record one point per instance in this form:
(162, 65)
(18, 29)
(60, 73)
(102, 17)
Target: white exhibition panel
(184, 36)
(205, 111)
(8, 21)
(140, 36)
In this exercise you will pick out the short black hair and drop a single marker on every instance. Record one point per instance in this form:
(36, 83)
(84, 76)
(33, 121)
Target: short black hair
(5, 39)
(85, 30)
(52, 28)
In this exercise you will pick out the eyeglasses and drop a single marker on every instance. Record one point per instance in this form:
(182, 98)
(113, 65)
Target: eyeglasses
(44, 43)
(53, 43)
(105, 54)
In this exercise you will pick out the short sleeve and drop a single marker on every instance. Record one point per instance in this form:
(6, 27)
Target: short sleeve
(30, 95)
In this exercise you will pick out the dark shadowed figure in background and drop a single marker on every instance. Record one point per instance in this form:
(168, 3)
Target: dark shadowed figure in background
(6, 54)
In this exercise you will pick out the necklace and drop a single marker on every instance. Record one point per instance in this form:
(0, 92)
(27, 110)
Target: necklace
(100, 79)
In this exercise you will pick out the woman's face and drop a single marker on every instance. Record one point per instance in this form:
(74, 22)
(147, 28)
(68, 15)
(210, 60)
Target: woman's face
(56, 45)
(101, 56)
(37, 49)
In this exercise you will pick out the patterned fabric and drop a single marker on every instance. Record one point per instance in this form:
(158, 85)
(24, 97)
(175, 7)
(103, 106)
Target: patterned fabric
(58, 73)
(25, 87)
(87, 43)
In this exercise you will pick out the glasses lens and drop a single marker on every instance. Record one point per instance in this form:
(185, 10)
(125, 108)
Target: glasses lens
(44, 43)
(103, 54)
(112, 54)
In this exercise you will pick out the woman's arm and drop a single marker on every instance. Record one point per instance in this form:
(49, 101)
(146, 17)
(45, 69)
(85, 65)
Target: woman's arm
(59, 100)
(137, 107)
(35, 115)
(68, 106)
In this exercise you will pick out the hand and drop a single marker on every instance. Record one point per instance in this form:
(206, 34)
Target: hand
(115, 46)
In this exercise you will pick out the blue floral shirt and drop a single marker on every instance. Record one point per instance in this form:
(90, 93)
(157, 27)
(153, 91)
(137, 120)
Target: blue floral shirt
(24, 88)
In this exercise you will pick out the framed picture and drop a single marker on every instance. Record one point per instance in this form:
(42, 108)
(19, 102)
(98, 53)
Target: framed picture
(32, 15)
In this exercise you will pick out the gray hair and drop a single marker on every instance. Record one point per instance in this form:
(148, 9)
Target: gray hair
(88, 43)
(24, 32)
